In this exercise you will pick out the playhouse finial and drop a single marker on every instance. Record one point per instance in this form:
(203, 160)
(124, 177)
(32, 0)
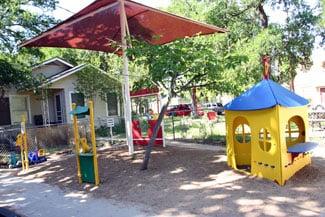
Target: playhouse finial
(266, 63)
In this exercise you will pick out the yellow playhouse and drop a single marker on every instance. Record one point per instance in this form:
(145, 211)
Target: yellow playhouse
(267, 132)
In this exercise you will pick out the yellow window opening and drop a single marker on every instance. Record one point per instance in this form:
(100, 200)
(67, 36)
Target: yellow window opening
(265, 140)
(243, 133)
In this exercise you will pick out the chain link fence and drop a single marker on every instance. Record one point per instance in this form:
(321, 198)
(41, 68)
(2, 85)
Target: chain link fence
(317, 126)
(51, 138)
(7, 144)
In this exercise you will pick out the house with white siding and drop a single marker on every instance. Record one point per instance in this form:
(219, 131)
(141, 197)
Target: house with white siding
(311, 84)
(55, 102)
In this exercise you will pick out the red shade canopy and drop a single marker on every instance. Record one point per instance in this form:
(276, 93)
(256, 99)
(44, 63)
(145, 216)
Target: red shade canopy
(97, 25)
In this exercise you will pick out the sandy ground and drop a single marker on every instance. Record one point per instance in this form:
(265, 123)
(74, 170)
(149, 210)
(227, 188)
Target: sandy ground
(179, 182)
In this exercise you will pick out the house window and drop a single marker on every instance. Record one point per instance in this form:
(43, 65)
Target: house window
(112, 104)
(4, 111)
(78, 99)
(19, 107)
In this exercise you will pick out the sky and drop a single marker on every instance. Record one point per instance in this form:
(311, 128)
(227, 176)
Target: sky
(76, 5)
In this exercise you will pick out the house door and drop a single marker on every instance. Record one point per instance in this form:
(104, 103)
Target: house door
(58, 108)
(4, 112)
(322, 95)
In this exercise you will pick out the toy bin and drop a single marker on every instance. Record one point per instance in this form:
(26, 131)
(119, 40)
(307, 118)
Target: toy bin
(87, 167)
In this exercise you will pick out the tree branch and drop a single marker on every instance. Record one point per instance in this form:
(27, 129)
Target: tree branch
(186, 86)
(201, 85)
(263, 16)
(250, 6)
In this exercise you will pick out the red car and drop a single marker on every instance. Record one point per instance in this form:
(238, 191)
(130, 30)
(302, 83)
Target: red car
(184, 110)
(179, 110)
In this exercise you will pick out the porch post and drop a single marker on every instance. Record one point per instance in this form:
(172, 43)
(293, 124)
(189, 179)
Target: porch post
(45, 107)
(127, 98)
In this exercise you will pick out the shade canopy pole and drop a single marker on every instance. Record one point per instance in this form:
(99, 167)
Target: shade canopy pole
(127, 98)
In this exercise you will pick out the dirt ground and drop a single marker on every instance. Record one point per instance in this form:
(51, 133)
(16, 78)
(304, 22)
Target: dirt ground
(191, 182)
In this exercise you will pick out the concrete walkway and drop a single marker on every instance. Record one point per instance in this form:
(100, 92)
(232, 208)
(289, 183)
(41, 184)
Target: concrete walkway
(32, 198)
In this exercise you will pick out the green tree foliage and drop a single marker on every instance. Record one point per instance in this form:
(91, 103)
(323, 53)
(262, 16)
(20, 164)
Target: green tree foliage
(252, 34)
(322, 21)
(13, 76)
(298, 36)
(18, 22)
(93, 82)
(178, 66)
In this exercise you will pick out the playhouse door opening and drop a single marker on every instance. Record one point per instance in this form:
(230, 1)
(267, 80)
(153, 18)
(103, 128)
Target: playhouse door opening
(242, 143)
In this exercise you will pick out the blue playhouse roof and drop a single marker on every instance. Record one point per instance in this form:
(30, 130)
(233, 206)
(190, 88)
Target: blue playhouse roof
(265, 94)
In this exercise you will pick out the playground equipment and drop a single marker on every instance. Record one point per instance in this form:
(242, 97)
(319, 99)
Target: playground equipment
(267, 129)
(27, 157)
(212, 116)
(138, 138)
(86, 157)
(21, 142)
(13, 160)
(36, 157)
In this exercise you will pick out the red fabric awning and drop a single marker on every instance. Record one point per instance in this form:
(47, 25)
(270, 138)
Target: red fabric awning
(97, 25)
(145, 92)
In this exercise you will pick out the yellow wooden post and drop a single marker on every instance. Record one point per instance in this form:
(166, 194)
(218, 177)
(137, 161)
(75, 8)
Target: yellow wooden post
(76, 141)
(24, 146)
(22, 156)
(20, 143)
(93, 140)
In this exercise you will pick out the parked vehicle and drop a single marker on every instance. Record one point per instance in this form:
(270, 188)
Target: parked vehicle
(209, 105)
(179, 110)
(219, 108)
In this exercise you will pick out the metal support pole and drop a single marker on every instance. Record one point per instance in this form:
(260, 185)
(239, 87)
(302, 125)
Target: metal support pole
(173, 127)
(127, 98)
(93, 140)
(25, 145)
(76, 142)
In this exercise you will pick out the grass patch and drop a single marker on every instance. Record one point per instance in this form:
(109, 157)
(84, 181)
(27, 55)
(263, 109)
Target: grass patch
(198, 129)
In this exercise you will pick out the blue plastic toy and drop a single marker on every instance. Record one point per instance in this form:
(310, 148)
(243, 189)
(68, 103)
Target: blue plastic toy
(34, 158)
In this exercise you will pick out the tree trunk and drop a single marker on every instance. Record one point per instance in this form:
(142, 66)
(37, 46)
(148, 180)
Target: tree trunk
(154, 135)
(263, 17)
(194, 100)
(292, 84)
